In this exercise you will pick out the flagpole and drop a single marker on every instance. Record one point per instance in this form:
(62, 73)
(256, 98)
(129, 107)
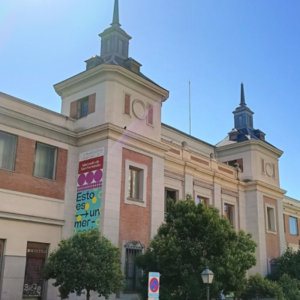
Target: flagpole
(190, 117)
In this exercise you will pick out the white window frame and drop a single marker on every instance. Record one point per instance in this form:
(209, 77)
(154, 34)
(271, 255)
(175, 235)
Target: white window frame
(15, 152)
(297, 234)
(142, 202)
(54, 162)
(231, 200)
(234, 218)
(201, 196)
(274, 219)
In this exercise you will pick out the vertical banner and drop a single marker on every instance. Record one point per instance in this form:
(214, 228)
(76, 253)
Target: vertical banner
(89, 190)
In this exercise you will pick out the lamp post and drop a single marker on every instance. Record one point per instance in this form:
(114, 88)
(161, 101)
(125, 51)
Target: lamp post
(207, 277)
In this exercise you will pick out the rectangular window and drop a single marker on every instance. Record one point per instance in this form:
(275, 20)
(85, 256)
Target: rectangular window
(229, 213)
(271, 219)
(83, 107)
(45, 161)
(150, 115)
(203, 200)
(272, 266)
(132, 272)
(8, 145)
(127, 105)
(170, 194)
(35, 260)
(134, 182)
(1, 256)
(293, 225)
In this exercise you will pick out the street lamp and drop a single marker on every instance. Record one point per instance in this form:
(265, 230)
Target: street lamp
(207, 277)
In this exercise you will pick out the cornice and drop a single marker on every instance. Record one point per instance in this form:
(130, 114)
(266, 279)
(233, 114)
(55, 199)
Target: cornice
(34, 219)
(101, 69)
(33, 125)
(264, 187)
(250, 143)
(31, 105)
(174, 177)
(174, 160)
(111, 128)
(203, 185)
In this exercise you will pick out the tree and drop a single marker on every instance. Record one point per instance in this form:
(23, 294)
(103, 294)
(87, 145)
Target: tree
(192, 238)
(288, 263)
(258, 287)
(86, 261)
(290, 287)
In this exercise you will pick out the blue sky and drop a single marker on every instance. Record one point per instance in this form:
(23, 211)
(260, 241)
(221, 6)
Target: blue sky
(217, 44)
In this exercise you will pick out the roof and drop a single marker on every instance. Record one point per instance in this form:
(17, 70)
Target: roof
(187, 135)
(246, 133)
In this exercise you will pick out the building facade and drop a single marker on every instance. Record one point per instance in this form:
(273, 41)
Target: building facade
(108, 162)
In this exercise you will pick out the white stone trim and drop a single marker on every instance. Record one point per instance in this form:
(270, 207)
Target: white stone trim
(143, 184)
(227, 200)
(275, 219)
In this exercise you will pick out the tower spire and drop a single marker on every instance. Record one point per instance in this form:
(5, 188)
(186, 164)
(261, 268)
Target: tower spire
(243, 102)
(115, 21)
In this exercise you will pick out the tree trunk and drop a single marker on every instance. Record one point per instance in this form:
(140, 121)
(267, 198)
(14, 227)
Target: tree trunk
(87, 294)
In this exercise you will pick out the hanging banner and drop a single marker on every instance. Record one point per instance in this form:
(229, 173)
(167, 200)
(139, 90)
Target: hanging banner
(89, 190)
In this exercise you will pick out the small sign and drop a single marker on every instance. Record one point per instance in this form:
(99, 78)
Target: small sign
(153, 287)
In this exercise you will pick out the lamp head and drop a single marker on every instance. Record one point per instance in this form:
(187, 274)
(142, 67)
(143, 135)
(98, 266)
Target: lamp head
(207, 276)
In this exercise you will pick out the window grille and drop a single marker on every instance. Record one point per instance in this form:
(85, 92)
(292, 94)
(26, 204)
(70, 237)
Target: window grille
(132, 272)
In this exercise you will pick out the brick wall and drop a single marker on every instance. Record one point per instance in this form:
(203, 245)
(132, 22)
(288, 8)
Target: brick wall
(289, 238)
(272, 240)
(135, 220)
(22, 179)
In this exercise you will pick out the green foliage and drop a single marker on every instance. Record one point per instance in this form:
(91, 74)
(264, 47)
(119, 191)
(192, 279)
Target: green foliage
(288, 263)
(86, 261)
(258, 287)
(290, 287)
(192, 238)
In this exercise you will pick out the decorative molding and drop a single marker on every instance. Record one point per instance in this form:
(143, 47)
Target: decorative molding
(200, 161)
(225, 170)
(103, 73)
(138, 104)
(174, 151)
(34, 219)
(206, 186)
(229, 192)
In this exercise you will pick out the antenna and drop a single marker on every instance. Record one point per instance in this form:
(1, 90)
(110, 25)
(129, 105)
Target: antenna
(190, 117)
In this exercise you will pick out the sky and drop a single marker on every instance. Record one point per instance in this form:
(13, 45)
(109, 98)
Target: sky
(217, 44)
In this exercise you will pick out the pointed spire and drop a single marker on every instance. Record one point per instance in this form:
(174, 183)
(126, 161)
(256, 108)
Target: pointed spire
(243, 102)
(115, 21)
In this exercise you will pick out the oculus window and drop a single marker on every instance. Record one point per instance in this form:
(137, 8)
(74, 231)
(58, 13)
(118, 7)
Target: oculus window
(45, 161)
(8, 144)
